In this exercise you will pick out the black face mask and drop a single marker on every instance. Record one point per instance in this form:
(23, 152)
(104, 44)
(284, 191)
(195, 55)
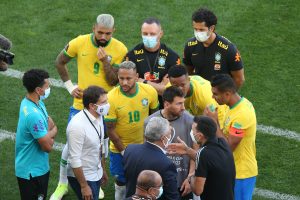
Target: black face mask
(6, 56)
(101, 44)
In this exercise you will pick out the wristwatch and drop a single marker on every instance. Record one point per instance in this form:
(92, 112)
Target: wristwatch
(145, 81)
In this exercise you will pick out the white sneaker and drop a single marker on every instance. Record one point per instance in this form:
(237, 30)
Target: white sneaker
(101, 194)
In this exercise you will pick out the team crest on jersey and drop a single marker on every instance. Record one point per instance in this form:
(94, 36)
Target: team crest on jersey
(145, 102)
(161, 61)
(218, 57)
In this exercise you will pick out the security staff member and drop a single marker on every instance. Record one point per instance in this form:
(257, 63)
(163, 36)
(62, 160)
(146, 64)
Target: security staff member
(208, 53)
(153, 58)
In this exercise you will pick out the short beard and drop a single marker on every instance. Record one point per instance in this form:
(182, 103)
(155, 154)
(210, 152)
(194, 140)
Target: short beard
(101, 44)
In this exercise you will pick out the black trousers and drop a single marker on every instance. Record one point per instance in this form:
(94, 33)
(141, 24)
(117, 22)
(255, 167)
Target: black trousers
(35, 188)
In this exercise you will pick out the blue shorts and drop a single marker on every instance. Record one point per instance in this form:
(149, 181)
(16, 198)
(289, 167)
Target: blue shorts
(244, 188)
(116, 166)
(72, 113)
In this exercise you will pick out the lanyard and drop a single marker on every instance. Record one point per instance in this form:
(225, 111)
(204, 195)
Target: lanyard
(94, 127)
(155, 61)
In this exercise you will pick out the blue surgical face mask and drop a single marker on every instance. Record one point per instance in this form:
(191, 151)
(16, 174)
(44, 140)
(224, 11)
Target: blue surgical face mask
(150, 41)
(46, 95)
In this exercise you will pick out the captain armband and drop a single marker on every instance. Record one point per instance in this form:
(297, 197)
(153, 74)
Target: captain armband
(236, 132)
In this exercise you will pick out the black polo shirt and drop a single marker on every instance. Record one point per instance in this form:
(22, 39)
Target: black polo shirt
(221, 57)
(153, 66)
(215, 162)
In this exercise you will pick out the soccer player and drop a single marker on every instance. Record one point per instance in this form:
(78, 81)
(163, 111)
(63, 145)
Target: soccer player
(197, 92)
(240, 132)
(153, 58)
(208, 53)
(130, 104)
(98, 55)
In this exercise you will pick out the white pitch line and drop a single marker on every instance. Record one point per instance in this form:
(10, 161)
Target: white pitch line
(271, 130)
(279, 132)
(259, 192)
(17, 74)
(274, 195)
(4, 134)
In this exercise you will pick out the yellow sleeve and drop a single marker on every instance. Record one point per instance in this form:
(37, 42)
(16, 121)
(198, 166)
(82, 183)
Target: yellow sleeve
(72, 49)
(112, 115)
(154, 100)
(123, 51)
(241, 121)
(205, 98)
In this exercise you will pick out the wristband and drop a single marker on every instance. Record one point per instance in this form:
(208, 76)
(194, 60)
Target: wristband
(145, 81)
(69, 86)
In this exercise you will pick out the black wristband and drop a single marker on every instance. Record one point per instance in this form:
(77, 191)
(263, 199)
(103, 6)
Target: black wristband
(145, 81)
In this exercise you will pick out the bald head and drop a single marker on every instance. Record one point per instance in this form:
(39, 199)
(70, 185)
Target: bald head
(148, 179)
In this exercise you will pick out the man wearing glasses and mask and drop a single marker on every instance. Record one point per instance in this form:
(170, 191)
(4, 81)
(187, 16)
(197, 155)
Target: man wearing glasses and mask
(152, 156)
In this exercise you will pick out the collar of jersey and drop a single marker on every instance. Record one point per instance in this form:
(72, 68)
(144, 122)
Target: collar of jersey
(94, 44)
(237, 103)
(130, 95)
(191, 90)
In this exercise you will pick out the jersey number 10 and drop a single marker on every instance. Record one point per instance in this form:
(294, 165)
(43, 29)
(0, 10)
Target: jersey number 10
(134, 116)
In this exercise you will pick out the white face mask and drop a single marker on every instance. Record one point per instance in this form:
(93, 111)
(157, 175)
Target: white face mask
(193, 137)
(150, 41)
(103, 109)
(46, 95)
(171, 138)
(201, 36)
(161, 190)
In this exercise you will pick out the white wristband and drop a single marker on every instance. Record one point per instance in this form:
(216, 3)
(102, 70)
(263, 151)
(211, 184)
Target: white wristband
(69, 86)
(122, 152)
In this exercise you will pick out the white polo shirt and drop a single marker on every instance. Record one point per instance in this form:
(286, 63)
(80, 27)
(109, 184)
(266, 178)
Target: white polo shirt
(84, 145)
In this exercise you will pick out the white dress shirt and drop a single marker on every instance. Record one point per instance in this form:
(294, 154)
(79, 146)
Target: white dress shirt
(84, 145)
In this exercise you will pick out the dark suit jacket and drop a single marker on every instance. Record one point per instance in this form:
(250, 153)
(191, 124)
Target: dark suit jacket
(139, 157)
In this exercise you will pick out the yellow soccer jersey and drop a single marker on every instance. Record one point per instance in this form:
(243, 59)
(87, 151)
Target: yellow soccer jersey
(240, 121)
(90, 69)
(201, 96)
(129, 112)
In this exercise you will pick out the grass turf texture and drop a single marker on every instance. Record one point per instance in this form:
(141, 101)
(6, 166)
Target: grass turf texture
(264, 31)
